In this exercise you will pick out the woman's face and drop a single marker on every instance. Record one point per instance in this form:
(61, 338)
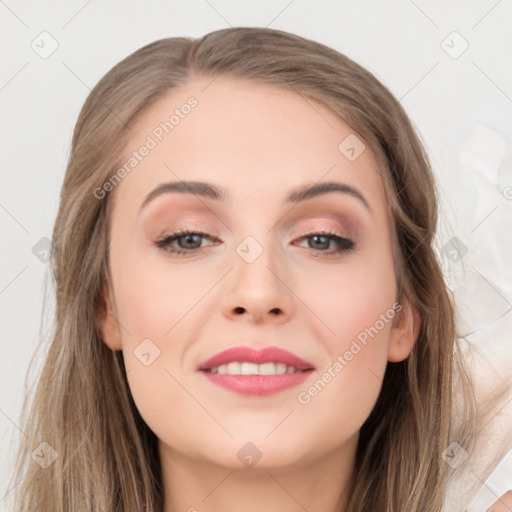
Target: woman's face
(262, 275)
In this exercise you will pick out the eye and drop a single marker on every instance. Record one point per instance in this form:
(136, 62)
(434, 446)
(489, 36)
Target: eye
(189, 241)
(321, 242)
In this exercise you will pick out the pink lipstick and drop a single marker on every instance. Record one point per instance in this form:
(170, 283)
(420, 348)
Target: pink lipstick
(261, 372)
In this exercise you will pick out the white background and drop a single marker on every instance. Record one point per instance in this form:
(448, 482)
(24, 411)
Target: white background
(400, 41)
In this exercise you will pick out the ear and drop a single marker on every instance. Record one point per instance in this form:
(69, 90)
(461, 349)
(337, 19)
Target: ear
(111, 333)
(404, 332)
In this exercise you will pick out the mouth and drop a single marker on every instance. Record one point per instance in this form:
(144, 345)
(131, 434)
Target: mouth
(243, 368)
(247, 371)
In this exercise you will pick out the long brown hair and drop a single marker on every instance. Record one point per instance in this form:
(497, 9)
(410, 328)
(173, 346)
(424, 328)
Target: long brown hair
(107, 458)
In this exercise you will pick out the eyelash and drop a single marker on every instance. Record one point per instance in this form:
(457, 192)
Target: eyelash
(344, 244)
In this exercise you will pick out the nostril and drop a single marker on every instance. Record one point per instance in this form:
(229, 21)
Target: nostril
(239, 310)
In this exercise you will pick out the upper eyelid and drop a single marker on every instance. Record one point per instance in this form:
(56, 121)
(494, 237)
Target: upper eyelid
(347, 222)
(345, 211)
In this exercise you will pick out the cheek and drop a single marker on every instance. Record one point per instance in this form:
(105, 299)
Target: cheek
(351, 298)
(341, 398)
(157, 306)
(162, 398)
(357, 307)
(154, 295)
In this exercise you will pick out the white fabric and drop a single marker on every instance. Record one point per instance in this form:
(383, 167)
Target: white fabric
(482, 284)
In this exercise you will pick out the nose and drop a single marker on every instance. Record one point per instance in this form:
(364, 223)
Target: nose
(258, 290)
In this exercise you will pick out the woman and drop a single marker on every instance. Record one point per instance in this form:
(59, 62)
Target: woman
(250, 313)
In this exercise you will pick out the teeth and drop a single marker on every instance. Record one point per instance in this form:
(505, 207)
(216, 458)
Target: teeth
(249, 369)
(232, 368)
(282, 368)
(236, 368)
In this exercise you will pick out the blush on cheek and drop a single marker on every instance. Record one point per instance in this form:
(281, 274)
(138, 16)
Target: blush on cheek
(149, 302)
(355, 315)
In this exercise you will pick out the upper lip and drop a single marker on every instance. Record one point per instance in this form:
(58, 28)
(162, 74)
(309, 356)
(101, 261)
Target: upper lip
(250, 355)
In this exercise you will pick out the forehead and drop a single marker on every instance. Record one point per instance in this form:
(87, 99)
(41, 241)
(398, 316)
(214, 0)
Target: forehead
(250, 138)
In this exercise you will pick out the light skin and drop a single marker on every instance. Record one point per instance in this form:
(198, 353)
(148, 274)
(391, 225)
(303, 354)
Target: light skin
(258, 143)
(503, 504)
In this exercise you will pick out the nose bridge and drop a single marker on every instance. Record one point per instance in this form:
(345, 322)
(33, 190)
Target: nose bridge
(254, 258)
(253, 229)
(256, 286)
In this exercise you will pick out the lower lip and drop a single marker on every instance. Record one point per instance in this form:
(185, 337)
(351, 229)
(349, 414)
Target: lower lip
(258, 385)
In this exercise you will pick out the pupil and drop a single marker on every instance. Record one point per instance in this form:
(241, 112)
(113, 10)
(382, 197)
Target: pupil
(190, 239)
(326, 241)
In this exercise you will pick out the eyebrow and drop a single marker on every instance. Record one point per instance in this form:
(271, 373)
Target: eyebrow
(217, 193)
